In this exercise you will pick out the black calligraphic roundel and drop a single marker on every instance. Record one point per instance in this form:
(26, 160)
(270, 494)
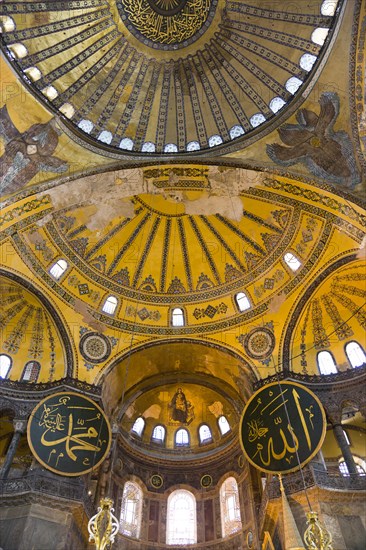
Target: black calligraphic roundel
(282, 427)
(69, 434)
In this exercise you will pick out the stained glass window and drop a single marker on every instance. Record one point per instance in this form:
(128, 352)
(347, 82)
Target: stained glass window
(181, 518)
(131, 510)
(230, 508)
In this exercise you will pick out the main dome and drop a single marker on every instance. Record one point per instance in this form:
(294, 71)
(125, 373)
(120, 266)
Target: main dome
(167, 77)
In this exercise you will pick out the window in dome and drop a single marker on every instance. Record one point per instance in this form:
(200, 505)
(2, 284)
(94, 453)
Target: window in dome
(31, 371)
(170, 148)
(230, 507)
(319, 35)
(67, 110)
(181, 526)
(158, 434)
(177, 317)
(328, 7)
(204, 434)
(242, 301)
(6, 24)
(276, 104)
(307, 61)
(131, 510)
(214, 140)
(18, 51)
(257, 120)
(105, 137)
(33, 73)
(293, 84)
(86, 125)
(355, 354)
(50, 92)
(326, 363)
(193, 146)
(138, 426)
(148, 147)
(110, 305)
(58, 269)
(126, 143)
(224, 426)
(291, 260)
(5, 364)
(361, 468)
(181, 438)
(236, 131)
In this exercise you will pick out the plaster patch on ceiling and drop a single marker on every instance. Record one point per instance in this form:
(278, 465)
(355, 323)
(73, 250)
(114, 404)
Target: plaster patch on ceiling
(83, 309)
(361, 253)
(152, 412)
(276, 302)
(217, 409)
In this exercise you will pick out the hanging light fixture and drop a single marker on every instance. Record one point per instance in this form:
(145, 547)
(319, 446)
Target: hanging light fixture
(103, 526)
(316, 536)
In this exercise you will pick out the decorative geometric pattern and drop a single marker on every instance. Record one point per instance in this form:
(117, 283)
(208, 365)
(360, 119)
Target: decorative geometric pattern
(210, 311)
(129, 101)
(259, 343)
(95, 347)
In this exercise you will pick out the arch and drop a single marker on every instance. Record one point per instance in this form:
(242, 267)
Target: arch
(158, 434)
(59, 268)
(110, 305)
(138, 426)
(319, 35)
(181, 528)
(223, 424)
(204, 434)
(181, 438)
(31, 371)
(326, 363)
(69, 357)
(230, 507)
(355, 354)
(5, 365)
(131, 510)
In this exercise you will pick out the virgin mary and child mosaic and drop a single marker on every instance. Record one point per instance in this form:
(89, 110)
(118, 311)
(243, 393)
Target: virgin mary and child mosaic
(180, 409)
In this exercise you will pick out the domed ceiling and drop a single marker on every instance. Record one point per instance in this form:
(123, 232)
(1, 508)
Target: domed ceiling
(167, 76)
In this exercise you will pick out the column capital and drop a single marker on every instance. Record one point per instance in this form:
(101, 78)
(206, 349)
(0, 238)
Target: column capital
(20, 425)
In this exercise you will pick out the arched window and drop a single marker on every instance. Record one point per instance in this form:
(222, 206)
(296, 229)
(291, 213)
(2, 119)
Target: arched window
(230, 507)
(293, 84)
(7, 24)
(148, 147)
(181, 438)
(170, 148)
(257, 120)
(193, 146)
(242, 301)
(307, 61)
(292, 262)
(50, 92)
(105, 137)
(158, 434)
(18, 50)
(138, 426)
(214, 140)
(236, 131)
(224, 425)
(276, 104)
(5, 364)
(31, 371)
(177, 317)
(86, 125)
(328, 7)
(319, 35)
(344, 470)
(204, 434)
(68, 110)
(326, 363)
(58, 269)
(110, 305)
(355, 354)
(126, 143)
(131, 510)
(181, 526)
(33, 73)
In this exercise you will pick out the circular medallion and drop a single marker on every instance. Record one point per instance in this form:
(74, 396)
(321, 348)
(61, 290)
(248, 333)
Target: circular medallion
(95, 347)
(156, 481)
(206, 481)
(167, 24)
(259, 343)
(282, 427)
(69, 434)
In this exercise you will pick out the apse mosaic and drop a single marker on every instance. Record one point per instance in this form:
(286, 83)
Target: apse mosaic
(165, 77)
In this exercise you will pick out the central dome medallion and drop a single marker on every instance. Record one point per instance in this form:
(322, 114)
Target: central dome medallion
(167, 24)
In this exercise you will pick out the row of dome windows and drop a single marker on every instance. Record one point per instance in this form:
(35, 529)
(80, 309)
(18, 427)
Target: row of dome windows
(182, 435)
(306, 62)
(30, 372)
(177, 316)
(181, 526)
(354, 353)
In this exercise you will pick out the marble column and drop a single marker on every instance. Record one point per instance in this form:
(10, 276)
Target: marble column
(343, 445)
(19, 429)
